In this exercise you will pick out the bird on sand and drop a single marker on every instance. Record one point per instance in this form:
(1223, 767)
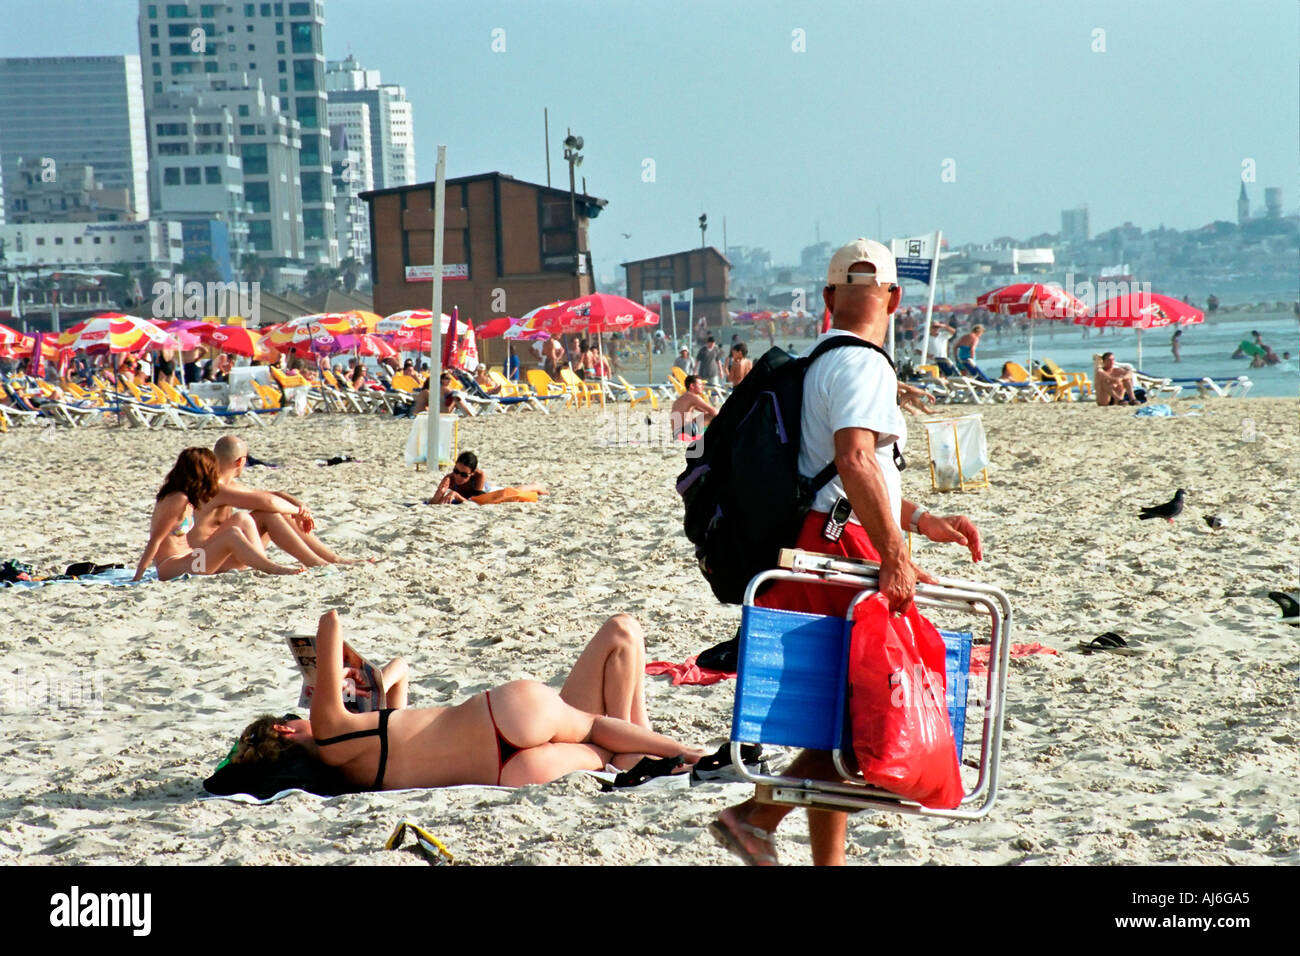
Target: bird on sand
(1169, 510)
(1214, 521)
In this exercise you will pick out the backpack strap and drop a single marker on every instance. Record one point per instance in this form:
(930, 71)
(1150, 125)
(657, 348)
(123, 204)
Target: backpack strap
(819, 480)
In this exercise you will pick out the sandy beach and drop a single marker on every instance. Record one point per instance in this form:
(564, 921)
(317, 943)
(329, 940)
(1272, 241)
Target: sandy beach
(119, 701)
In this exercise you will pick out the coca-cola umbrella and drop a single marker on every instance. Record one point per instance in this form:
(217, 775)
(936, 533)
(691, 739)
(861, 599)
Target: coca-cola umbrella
(238, 340)
(1034, 300)
(1141, 310)
(598, 312)
(411, 330)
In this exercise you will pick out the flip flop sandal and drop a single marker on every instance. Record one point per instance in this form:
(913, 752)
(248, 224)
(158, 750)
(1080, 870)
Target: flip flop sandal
(1113, 643)
(647, 768)
(718, 764)
(724, 835)
(1289, 605)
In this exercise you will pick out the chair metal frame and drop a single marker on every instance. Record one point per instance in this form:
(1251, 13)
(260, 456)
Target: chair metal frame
(948, 594)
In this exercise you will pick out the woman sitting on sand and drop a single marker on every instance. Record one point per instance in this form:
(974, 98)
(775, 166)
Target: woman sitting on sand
(466, 482)
(193, 481)
(517, 734)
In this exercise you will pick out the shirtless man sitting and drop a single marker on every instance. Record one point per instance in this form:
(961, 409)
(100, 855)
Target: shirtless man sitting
(279, 517)
(1113, 385)
(691, 413)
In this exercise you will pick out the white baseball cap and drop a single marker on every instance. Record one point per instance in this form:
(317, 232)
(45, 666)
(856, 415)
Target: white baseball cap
(862, 250)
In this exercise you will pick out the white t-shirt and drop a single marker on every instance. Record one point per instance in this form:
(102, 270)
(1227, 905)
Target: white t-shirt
(851, 387)
(939, 344)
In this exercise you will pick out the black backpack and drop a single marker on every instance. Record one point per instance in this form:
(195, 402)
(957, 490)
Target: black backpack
(745, 499)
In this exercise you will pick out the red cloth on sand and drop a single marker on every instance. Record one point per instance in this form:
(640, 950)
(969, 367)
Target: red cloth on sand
(979, 655)
(687, 672)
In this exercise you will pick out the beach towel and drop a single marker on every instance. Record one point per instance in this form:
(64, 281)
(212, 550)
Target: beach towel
(504, 495)
(687, 672)
(979, 656)
(113, 577)
(1154, 411)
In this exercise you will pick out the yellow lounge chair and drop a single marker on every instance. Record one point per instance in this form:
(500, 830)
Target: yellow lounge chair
(585, 389)
(546, 386)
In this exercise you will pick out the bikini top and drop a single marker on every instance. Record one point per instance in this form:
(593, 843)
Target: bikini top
(381, 732)
(184, 527)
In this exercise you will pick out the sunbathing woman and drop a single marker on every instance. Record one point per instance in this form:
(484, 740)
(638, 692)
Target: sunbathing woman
(193, 481)
(517, 734)
(466, 482)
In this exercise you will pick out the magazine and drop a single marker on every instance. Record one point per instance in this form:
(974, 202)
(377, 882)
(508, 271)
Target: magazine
(363, 682)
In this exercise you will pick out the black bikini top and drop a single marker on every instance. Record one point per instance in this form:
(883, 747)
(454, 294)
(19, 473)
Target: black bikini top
(381, 732)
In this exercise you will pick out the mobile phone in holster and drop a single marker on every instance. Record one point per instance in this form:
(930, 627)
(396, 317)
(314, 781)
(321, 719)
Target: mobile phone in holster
(837, 519)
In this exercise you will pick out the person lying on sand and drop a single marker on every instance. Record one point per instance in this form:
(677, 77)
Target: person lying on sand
(517, 734)
(193, 481)
(691, 412)
(466, 482)
(279, 516)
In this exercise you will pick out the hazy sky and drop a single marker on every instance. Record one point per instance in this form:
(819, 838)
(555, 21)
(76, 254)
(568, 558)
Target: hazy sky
(742, 124)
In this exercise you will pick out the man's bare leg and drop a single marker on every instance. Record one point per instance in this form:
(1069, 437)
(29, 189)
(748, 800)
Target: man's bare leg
(826, 829)
(303, 545)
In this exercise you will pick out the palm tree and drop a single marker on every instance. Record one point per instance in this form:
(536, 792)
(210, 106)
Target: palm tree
(350, 269)
(254, 269)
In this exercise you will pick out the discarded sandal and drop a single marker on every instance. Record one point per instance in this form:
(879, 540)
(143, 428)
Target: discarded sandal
(647, 768)
(1289, 605)
(1113, 643)
(718, 766)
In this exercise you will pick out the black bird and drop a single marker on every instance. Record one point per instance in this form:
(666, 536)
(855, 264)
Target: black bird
(1169, 510)
(1214, 521)
(1289, 605)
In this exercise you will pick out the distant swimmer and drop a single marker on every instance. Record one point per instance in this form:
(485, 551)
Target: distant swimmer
(1169, 510)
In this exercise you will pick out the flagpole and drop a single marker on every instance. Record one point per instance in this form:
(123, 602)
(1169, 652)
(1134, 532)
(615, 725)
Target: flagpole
(929, 307)
(435, 338)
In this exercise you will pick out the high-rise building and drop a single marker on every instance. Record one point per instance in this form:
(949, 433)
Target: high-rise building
(355, 118)
(229, 156)
(266, 59)
(392, 130)
(351, 212)
(76, 110)
(1243, 205)
(1074, 225)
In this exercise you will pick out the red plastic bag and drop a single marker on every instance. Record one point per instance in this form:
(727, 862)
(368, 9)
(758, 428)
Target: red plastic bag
(901, 733)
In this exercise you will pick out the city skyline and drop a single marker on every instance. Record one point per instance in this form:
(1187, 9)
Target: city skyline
(983, 122)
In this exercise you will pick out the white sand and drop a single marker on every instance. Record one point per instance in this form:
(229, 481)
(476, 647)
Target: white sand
(1188, 754)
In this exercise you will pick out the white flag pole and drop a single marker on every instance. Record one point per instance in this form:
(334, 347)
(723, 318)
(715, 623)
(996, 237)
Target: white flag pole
(435, 337)
(929, 307)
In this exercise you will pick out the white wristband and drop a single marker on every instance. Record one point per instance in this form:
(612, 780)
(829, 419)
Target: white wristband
(914, 525)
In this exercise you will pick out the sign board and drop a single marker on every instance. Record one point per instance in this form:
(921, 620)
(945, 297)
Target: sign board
(914, 257)
(450, 270)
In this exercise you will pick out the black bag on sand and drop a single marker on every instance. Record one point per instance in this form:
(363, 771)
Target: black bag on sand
(744, 497)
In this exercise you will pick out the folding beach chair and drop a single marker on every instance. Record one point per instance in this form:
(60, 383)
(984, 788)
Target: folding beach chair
(792, 686)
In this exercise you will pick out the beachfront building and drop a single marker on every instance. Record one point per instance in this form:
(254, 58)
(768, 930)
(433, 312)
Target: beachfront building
(154, 243)
(73, 195)
(69, 111)
(1074, 225)
(388, 112)
(230, 156)
(266, 62)
(707, 271)
(508, 245)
